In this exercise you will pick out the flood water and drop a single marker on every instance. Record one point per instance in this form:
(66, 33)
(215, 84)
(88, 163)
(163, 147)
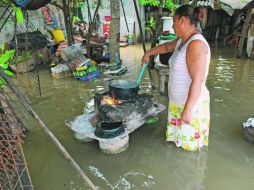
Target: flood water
(149, 162)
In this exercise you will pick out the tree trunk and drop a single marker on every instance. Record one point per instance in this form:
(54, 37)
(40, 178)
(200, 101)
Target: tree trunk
(68, 24)
(92, 23)
(156, 30)
(114, 29)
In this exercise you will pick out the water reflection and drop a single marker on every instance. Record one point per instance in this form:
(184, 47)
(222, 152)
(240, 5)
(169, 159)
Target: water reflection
(148, 163)
(224, 70)
(187, 169)
(126, 181)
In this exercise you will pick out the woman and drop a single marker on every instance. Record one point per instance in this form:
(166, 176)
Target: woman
(189, 105)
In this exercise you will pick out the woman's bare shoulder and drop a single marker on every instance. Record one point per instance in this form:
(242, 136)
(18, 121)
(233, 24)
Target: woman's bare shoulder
(197, 45)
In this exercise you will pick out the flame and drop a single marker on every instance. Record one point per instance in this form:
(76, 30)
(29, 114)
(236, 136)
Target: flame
(109, 100)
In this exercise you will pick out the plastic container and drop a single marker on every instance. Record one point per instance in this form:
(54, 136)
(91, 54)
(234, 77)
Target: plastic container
(23, 3)
(60, 71)
(58, 35)
(107, 18)
(91, 76)
(116, 147)
(168, 24)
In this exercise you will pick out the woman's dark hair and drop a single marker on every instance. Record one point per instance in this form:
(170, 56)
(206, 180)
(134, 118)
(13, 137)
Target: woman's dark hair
(188, 11)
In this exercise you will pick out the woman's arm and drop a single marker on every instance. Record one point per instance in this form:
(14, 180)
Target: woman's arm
(160, 49)
(196, 61)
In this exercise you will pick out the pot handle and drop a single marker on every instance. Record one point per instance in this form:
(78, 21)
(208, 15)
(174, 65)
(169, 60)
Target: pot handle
(141, 73)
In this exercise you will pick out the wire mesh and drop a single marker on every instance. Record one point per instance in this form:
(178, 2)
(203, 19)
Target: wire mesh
(20, 42)
(13, 168)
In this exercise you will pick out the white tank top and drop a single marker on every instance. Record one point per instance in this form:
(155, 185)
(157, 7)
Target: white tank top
(179, 77)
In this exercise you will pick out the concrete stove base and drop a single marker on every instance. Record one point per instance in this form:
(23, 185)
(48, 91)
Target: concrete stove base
(83, 127)
(115, 148)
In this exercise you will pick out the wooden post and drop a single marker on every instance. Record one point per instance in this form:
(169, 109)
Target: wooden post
(114, 29)
(68, 22)
(244, 33)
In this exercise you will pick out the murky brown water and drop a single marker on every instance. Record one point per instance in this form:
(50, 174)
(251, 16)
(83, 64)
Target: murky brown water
(149, 162)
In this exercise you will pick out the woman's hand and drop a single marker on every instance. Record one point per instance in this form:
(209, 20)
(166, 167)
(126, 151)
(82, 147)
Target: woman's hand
(186, 116)
(145, 59)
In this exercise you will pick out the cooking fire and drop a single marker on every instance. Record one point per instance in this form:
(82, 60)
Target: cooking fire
(117, 112)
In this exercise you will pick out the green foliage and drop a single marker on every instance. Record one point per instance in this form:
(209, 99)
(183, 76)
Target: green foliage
(5, 61)
(2, 82)
(5, 58)
(151, 23)
(22, 58)
(7, 72)
(166, 3)
(149, 2)
(19, 14)
(150, 26)
(6, 1)
(169, 4)
(17, 10)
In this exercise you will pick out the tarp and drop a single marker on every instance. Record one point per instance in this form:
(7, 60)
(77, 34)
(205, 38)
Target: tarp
(236, 4)
(38, 20)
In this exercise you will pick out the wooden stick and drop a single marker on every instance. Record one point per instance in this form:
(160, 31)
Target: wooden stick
(24, 101)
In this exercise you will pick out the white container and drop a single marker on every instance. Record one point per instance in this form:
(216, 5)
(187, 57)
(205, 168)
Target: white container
(250, 40)
(168, 24)
(117, 147)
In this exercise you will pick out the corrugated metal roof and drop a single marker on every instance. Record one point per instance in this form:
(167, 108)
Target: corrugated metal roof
(236, 4)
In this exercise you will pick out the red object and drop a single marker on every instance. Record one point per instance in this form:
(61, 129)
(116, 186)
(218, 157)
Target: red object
(106, 30)
(107, 18)
(165, 33)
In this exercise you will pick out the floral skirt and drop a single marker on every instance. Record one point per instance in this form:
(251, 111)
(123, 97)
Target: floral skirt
(193, 136)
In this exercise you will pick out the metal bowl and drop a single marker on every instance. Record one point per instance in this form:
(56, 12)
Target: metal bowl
(109, 130)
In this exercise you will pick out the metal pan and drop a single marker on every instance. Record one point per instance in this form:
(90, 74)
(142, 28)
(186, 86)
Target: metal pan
(123, 89)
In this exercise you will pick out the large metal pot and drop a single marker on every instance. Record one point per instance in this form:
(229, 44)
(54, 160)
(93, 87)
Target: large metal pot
(123, 89)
